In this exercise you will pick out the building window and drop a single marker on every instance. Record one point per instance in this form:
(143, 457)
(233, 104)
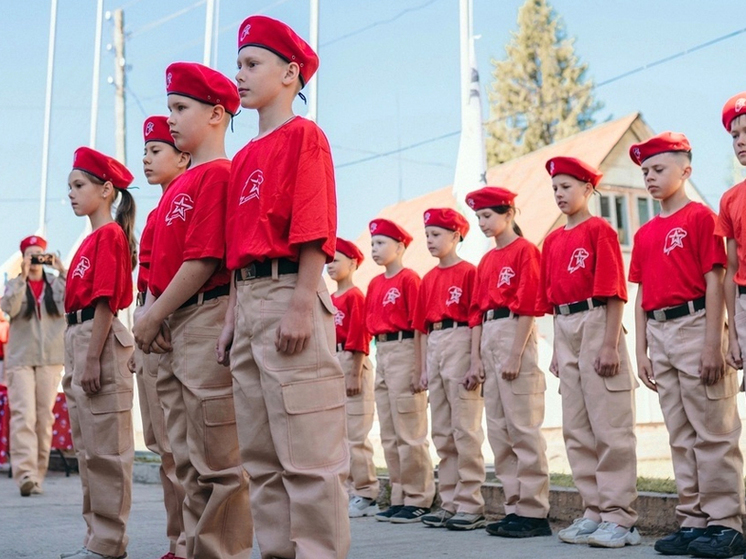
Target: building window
(647, 208)
(614, 210)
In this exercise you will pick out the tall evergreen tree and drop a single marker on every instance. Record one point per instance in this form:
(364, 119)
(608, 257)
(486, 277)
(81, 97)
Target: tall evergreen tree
(540, 93)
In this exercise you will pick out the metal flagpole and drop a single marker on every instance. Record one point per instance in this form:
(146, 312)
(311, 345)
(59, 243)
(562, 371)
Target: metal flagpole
(313, 87)
(209, 25)
(96, 72)
(47, 120)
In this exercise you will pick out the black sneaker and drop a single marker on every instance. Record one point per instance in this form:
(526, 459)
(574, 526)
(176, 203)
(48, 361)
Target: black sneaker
(492, 528)
(717, 541)
(408, 515)
(678, 542)
(521, 527)
(385, 516)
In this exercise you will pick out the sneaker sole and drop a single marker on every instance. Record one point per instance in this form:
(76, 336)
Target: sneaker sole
(406, 520)
(362, 513)
(670, 550)
(502, 532)
(432, 524)
(714, 554)
(26, 488)
(464, 527)
(575, 540)
(382, 518)
(611, 544)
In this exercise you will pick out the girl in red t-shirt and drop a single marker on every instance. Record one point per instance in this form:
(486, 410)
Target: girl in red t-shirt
(442, 317)
(504, 355)
(97, 382)
(582, 283)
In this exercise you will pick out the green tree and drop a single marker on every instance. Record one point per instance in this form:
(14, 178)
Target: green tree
(540, 93)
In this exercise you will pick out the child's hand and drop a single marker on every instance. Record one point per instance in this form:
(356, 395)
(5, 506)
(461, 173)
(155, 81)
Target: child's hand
(734, 358)
(162, 342)
(145, 331)
(354, 384)
(475, 376)
(607, 362)
(645, 372)
(554, 365)
(223, 345)
(511, 367)
(90, 380)
(295, 329)
(415, 386)
(131, 365)
(423, 380)
(711, 365)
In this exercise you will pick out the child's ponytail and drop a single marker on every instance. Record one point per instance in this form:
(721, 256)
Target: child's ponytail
(125, 217)
(517, 230)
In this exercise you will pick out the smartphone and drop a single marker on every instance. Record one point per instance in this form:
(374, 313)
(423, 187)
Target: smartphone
(42, 259)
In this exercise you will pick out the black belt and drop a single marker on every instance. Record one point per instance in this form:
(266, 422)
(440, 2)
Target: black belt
(393, 336)
(446, 323)
(578, 306)
(213, 293)
(140, 301)
(690, 307)
(78, 317)
(499, 312)
(742, 289)
(257, 270)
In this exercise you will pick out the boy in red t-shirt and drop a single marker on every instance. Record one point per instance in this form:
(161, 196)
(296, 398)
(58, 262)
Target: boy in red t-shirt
(677, 260)
(730, 224)
(442, 318)
(401, 402)
(582, 283)
(184, 311)
(353, 345)
(280, 231)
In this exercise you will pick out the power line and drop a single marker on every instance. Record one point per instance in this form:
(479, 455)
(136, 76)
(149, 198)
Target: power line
(398, 150)
(165, 19)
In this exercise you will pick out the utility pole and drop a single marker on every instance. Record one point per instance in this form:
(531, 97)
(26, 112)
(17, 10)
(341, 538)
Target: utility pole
(313, 87)
(47, 120)
(96, 72)
(120, 67)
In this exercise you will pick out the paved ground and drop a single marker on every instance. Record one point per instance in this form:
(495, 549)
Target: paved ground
(43, 526)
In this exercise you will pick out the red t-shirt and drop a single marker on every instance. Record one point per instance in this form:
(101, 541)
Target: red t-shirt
(390, 303)
(730, 224)
(507, 277)
(100, 268)
(281, 196)
(37, 288)
(190, 225)
(349, 321)
(580, 263)
(146, 248)
(671, 256)
(445, 293)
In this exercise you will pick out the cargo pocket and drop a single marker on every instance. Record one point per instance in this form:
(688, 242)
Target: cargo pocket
(201, 369)
(465, 394)
(316, 421)
(528, 391)
(721, 411)
(329, 329)
(221, 438)
(360, 407)
(412, 416)
(112, 421)
(123, 348)
(274, 360)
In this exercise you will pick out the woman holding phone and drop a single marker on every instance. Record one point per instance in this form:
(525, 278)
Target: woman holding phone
(34, 354)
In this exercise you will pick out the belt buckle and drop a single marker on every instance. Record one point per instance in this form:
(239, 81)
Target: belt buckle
(659, 315)
(249, 272)
(564, 309)
(437, 326)
(381, 338)
(490, 314)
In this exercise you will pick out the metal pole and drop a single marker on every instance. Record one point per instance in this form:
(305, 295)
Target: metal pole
(209, 24)
(96, 72)
(465, 40)
(216, 36)
(47, 120)
(313, 87)
(120, 113)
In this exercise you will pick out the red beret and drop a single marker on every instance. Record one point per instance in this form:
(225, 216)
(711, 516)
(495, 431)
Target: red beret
(736, 106)
(489, 197)
(575, 168)
(156, 129)
(33, 241)
(203, 84)
(102, 167)
(350, 250)
(447, 219)
(390, 229)
(279, 38)
(662, 143)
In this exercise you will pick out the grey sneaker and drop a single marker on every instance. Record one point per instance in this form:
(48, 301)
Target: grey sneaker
(466, 521)
(578, 531)
(438, 518)
(611, 534)
(362, 506)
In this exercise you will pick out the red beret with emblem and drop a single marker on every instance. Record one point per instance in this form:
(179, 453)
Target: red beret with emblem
(446, 218)
(662, 143)
(490, 197)
(33, 241)
(279, 38)
(389, 229)
(575, 168)
(736, 106)
(350, 250)
(156, 129)
(102, 167)
(203, 84)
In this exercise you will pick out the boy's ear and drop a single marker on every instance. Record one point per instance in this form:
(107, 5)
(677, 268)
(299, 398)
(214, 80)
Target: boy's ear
(292, 72)
(184, 159)
(687, 172)
(217, 114)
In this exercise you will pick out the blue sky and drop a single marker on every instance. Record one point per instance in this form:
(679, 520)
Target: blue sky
(380, 87)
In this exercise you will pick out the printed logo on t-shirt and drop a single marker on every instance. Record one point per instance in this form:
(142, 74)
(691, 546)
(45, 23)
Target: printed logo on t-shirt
(251, 187)
(179, 208)
(674, 239)
(577, 260)
(505, 275)
(391, 296)
(339, 318)
(83, 266)
(245, 32)
(149, 128)
(454, 295)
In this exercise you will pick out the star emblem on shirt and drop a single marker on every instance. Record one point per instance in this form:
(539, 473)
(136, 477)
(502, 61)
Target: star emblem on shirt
(339, 318)
(179, 208)
(674, 239)
(577, 260)
(250, 189)
(391, 296)
(83, 265)
(505, 276)
(454, 295)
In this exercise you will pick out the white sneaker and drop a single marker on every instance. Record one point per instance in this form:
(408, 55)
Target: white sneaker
(362, 506)
(578, 531)
(611, 534)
